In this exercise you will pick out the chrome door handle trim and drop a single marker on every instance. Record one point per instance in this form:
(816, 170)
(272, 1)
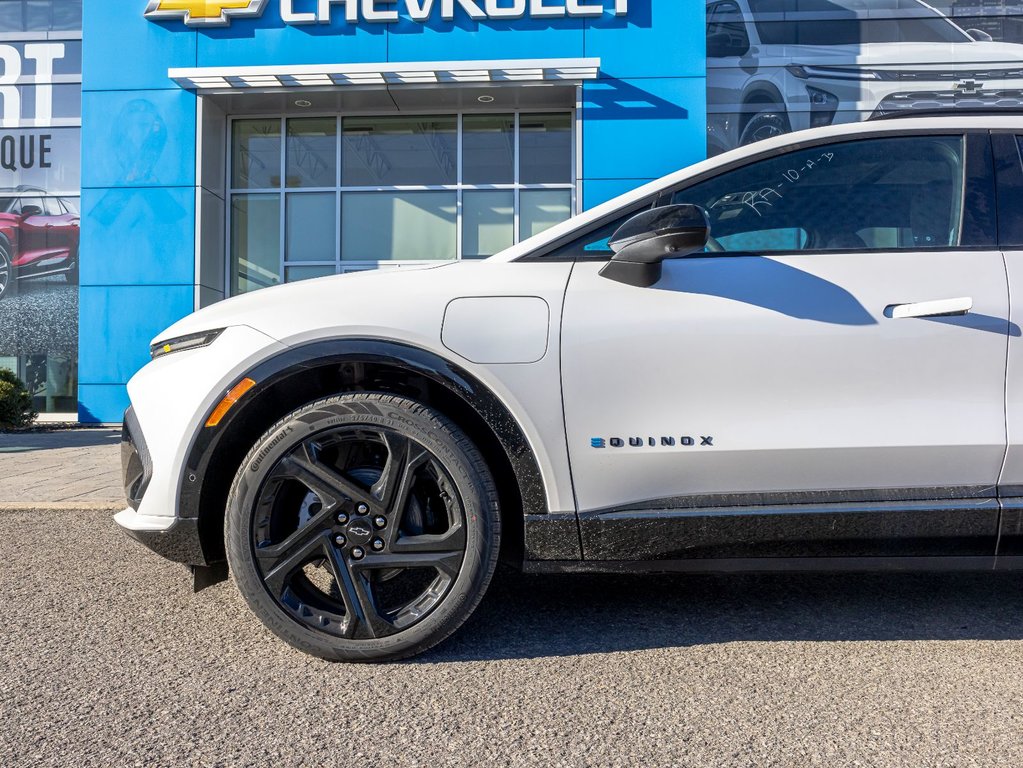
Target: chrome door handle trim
(936, 308)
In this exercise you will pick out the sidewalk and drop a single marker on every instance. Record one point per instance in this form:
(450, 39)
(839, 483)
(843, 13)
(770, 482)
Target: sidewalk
(61, 469)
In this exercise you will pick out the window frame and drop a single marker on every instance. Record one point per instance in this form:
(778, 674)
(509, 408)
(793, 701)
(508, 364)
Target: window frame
(572, 186)
(978, 225)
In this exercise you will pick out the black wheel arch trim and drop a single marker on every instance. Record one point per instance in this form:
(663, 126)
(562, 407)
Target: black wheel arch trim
(323, 353)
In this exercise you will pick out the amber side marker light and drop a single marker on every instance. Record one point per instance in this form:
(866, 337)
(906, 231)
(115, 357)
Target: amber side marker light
(232, 397)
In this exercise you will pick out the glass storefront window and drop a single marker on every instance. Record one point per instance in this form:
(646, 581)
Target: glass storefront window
(545, 148)
(488, 222)
(541, 209)
(294, 274)
(256, 154)
(310, 226)
(390, 151)
(403, 193)
(255, 242)
(387, 226)
(488, 149)
(312, 152)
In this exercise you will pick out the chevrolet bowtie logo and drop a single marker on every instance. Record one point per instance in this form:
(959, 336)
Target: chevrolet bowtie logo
(204, 13)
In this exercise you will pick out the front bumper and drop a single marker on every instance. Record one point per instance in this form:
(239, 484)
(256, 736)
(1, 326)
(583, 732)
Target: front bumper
(174, 538)
(170, 400)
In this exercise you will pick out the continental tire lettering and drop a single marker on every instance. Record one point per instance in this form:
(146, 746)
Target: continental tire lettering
(268, 448)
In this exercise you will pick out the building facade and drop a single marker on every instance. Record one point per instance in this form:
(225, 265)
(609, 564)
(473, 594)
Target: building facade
(230, 145)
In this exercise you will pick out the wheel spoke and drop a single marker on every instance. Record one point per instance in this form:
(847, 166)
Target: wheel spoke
(295, 542)
(452, 539)
(394, 471)
(279, 568)
(398, 501)
(324, 481)
(364, 620)
(447, 562)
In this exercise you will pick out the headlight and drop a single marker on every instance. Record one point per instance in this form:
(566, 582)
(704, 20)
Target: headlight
(181, 343)
(823, 106)
(804, 72)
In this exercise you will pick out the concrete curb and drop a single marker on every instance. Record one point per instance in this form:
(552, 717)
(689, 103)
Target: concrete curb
(59, 506)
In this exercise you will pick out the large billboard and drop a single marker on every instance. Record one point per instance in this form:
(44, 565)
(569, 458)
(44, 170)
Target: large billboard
(40, 128)
(775, 66)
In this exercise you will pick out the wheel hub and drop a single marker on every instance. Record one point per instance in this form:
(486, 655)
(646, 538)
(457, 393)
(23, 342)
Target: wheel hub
(359, 531)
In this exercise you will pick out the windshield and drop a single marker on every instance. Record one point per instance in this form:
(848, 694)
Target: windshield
(7, 204)
(846, 22)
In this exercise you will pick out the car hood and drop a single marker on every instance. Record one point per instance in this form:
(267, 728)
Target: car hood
(280, 310)
(406, 305)
(915, 56)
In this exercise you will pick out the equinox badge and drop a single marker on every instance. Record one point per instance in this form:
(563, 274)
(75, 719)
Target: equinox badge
(685, 441)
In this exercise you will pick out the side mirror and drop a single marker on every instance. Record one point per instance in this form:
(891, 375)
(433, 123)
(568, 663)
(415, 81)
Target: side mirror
(650, 237)
(980, 35)
(31, 210)
(721, 45)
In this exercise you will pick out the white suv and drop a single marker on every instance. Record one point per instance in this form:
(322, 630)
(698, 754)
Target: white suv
(780, 65)
(802, 354)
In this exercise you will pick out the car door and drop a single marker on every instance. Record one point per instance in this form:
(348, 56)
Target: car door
(829, 381)
(60, 229)
(32, 245)
(1008, 152)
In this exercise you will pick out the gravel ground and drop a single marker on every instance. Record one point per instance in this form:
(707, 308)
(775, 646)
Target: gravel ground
(107, 659)
(43, 317)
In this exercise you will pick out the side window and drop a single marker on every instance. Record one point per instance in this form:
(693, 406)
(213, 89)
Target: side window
(593, 242)
(51, 207)
(726, 31)
(900, 193)
(32, 206)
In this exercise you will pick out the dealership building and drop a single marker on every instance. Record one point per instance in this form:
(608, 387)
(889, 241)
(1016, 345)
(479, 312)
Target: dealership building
(216, 147)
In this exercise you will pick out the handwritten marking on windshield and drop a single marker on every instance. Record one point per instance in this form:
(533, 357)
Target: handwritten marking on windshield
(760, 198)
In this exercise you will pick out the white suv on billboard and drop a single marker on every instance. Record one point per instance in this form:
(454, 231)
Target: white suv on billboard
(775, 66)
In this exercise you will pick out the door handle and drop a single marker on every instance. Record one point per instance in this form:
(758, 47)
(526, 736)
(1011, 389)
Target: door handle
(936, 308)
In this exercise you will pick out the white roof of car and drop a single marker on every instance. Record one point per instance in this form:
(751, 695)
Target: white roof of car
(845, 130)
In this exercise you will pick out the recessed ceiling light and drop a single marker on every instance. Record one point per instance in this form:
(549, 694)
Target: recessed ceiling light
(303, 103)
(485, 99)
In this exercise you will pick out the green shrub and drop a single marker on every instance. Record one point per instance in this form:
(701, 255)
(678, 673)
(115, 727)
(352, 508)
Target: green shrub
(16, 411)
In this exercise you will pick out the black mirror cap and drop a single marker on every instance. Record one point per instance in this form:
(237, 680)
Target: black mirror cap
(650, 237)
(632, 273)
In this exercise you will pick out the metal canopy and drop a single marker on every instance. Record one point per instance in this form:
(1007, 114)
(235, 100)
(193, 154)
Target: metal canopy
(384, 75)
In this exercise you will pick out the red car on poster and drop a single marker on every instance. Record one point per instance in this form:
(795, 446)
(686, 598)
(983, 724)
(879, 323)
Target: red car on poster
(38, 237)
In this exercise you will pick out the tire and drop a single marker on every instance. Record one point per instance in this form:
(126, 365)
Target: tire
(771, 121)
(363, 527)
(8, 273)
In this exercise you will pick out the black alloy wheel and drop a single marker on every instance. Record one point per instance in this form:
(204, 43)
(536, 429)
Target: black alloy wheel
(363, 528)
(766, 124)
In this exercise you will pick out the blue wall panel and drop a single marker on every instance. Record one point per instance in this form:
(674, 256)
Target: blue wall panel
(658, 38)
(120, 323)
(101, 403)
(138, 138)
(122, 50)
(117, 254)
(642, 128)
(597, 191)
(268, 41)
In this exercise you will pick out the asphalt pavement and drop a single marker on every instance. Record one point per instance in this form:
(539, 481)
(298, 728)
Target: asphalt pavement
(108, 659)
